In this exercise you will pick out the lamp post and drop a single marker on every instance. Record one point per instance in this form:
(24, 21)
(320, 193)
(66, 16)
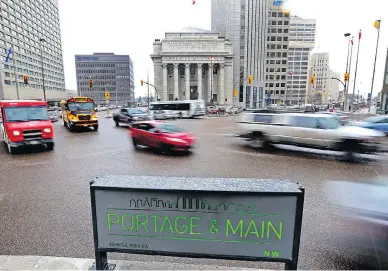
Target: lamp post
(347, 70)
(41, 40)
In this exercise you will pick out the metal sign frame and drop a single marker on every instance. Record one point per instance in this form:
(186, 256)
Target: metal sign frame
(101, 256)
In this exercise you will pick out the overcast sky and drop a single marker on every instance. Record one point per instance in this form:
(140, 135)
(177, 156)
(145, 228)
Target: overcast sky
(130, 27)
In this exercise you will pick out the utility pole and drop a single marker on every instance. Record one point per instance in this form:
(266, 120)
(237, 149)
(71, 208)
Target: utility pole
(148, 89)
(16, 77)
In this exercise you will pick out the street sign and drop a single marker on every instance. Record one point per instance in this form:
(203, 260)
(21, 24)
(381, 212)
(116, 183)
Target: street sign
(260, 220)
(235, 93)
(107, 95)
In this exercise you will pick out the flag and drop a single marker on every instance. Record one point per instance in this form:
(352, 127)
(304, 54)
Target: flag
(193, 2)
(291, 73)
(359, 35)
(9, 53)
(352, 40)
(377, 24)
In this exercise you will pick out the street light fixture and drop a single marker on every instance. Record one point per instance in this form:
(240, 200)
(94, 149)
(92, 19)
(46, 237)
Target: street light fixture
(41, 40)
(347, 70)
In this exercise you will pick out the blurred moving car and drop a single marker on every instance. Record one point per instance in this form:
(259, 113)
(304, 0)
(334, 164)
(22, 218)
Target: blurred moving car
(379, 123)
(344, 119)
(165, 115)
(365, 207)
(319, 131)
(161, 135)
(129, 115)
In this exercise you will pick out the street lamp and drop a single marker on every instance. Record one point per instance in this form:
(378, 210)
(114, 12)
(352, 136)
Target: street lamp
(41, 40)
(347, 67)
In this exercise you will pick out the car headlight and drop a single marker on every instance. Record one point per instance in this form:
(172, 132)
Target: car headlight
(16, 133)
(176, 140)
(94, 118)
(47, 130)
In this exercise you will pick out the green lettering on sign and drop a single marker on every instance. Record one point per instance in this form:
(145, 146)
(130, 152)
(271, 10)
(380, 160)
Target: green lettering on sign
(229, 226)
(182, 226)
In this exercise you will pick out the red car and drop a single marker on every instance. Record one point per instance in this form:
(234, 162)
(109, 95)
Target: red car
(161, 135)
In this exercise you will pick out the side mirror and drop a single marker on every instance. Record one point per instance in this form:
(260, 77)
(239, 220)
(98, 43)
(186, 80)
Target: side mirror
(157, 132)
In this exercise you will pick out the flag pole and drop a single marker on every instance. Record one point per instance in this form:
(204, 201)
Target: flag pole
(16, 76)
(350, 69)
(355, 73)
(374, 67)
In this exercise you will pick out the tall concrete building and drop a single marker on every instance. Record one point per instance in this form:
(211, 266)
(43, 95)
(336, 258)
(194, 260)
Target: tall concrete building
(108, 72)
(323, 91)
(31, 29)
(278, 33)
(244, 23)
(302, 41)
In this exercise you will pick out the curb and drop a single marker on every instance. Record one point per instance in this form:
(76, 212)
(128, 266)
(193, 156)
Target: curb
(63, 263)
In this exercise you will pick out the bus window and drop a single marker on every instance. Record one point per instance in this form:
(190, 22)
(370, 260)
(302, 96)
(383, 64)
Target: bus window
(185, 107)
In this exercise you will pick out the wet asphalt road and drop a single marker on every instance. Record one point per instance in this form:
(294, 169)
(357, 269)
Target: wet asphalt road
(45, 205)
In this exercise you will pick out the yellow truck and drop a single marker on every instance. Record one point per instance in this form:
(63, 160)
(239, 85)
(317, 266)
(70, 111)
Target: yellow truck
(79, 112)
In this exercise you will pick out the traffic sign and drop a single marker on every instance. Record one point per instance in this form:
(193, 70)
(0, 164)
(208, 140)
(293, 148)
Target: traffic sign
(235, 93)
(107, 95)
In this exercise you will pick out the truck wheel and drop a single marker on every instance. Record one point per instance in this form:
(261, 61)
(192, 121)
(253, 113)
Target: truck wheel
(95, 127)
(50, 146)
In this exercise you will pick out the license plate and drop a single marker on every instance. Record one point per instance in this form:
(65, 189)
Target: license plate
(34, 142)
(85, 125)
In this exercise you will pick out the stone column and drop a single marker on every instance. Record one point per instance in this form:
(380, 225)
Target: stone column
(251, 96)
(210, 79)
(176, 81)
(221, 85)
(187, 79)
(199, 75)
(165, 90)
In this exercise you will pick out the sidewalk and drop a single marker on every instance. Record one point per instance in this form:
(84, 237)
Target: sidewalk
(61, 263)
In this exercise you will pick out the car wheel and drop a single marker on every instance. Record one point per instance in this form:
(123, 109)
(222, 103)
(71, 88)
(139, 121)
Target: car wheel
(260, 141)
(50, 146)
(135, 144)
(350, 147)
(165, 148)
(117, 124)
(95, 127)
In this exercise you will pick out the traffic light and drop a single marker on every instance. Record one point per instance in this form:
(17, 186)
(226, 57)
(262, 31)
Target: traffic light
(141, 82)
(25, 79)
(235, 93)
(346, 77)
(250, 79)
(90, 83)
(312, 79)
(107, 95)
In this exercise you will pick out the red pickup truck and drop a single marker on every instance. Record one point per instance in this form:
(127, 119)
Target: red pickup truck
(25, 123)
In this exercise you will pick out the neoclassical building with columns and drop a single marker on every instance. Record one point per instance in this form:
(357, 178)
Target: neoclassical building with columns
(194, 66)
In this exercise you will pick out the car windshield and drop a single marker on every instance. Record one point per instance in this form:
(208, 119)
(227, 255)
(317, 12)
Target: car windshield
(375, 119)
(135, 111)
(169, 128)
(28, 113)
(80, 106)
(329, 123)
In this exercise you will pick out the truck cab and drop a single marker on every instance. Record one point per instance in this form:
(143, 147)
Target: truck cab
(25, 123)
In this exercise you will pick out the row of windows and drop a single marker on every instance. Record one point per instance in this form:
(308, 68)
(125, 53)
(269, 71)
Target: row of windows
(47, 79)
(277, 30)
(277, 46)
(302, 35)
(101, 65)
(97, 83)
(277, 77)
(278, 38)
(41, 10)
(48, 46)
(276, 69)
(52, 35)
(48, 73)
(276, 62)
(111, 71)
(310, 25)
(51, 69)
(38, 86)
(278, 14)
(276, 54)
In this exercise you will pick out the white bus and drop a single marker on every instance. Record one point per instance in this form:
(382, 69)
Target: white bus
(182, 109)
